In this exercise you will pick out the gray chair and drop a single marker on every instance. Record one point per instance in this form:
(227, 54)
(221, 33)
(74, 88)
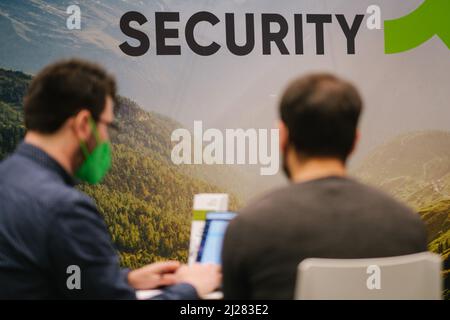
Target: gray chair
(409, 277)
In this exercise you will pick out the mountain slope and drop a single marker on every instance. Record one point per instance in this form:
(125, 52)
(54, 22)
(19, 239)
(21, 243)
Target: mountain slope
(414, 167)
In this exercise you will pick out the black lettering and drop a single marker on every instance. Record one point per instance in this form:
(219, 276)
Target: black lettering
(319, 20)
(231, 34)
(162, 33)
(190, 39)
(277, 37)
(350, 33)
(298, 21)
(125, 27)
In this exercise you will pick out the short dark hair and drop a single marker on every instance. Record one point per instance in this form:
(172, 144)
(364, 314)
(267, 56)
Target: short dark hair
(63, 89)
(321, 113)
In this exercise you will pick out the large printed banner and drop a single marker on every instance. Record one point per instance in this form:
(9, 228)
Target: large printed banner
(200, 82)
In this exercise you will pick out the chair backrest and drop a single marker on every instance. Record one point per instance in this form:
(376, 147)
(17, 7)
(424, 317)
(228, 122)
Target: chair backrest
(415, 276)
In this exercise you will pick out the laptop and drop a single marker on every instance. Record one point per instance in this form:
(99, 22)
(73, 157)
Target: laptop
(210, 250)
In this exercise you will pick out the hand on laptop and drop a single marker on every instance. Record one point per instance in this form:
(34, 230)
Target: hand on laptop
(205, 278)
(154, 275)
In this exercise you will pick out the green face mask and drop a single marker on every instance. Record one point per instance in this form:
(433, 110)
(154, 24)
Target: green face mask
(98, 162)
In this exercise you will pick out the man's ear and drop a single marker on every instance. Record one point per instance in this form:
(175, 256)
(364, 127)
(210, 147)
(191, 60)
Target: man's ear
(81, 125)
(284, 135)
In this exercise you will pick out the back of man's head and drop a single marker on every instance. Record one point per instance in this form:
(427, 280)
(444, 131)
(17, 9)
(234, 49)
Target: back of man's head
(321, 113)
(63, 89)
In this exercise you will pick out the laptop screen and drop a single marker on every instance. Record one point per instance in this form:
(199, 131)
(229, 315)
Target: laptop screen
(213, 234)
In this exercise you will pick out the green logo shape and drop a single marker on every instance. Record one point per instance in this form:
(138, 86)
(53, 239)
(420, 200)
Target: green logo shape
(431, 18)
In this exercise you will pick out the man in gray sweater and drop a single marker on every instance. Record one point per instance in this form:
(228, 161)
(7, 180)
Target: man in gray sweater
(322, 213)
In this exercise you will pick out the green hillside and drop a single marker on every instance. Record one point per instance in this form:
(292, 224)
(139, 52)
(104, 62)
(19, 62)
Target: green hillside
(437, 218)
(12, 89)
(145, 199)
(414, 167)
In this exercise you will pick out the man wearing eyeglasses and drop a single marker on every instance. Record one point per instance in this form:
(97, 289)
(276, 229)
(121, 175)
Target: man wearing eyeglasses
(48, 229)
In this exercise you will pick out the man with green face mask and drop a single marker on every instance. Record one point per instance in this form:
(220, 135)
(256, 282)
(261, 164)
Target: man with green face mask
(54, 243)
(96, 163)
